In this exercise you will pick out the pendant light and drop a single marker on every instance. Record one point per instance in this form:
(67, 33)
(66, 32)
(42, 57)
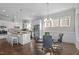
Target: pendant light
(47, 19)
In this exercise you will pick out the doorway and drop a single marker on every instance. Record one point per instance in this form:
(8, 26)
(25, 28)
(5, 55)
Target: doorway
(36, 31)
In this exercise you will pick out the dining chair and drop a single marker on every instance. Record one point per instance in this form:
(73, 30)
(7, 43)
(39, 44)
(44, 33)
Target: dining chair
(47, 44)
(12, 39)
(59, 43)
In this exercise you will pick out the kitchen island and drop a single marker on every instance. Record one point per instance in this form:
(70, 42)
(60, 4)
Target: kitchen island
(19, 37)
(24, 38)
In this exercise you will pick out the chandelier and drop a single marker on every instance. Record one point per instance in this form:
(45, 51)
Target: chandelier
(47, 19)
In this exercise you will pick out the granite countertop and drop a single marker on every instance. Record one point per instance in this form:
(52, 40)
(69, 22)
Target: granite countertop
(20, 33)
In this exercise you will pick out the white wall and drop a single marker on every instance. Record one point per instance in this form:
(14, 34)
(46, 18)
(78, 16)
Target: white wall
(71, 13)
(77, 27)
(69, 32)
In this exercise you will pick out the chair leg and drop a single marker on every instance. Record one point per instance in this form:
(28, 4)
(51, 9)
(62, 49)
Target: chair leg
(53, 49)
(12, 43)
(62, 45)
(17, 42)
(43, 50)
(51, 52)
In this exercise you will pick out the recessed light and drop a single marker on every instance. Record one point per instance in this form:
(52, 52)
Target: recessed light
(7, 15)
(3, 10)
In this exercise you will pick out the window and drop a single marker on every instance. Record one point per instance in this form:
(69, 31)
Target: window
(28, 26)
(47, 23)
(57, 22)
(65, 22)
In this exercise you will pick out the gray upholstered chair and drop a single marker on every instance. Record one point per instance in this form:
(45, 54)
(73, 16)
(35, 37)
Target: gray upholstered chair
(47, 44)
(60, 37)
(47, 41)
(59, 43)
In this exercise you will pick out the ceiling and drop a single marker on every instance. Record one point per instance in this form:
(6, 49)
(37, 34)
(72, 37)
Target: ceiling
(29, 11)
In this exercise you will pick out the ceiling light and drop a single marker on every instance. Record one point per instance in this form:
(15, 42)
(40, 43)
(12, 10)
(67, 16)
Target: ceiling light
(7, 15)
(47, 17)
(3, 10)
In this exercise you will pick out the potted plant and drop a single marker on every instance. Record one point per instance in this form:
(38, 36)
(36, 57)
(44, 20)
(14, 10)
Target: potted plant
(46, 33)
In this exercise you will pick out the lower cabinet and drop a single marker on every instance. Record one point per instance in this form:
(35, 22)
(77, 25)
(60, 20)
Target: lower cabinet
(3, 36)
(24, 39)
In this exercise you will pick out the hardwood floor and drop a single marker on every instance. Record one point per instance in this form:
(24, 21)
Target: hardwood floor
(30, 49)
(8, 49)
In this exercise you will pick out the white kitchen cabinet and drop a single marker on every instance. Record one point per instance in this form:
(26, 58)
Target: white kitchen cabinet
(24, 39)
(3, 36)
